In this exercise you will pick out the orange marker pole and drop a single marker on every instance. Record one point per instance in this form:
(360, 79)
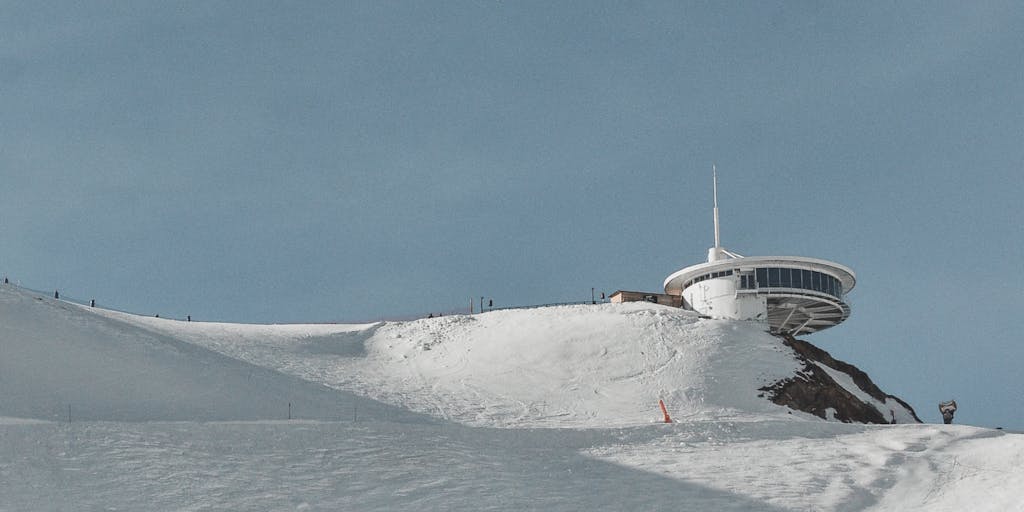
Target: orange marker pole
(664, 411)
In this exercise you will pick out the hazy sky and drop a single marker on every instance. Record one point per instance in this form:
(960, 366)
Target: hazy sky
(348, 161)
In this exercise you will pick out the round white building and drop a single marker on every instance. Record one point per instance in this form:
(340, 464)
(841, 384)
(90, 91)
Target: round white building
(792, 294)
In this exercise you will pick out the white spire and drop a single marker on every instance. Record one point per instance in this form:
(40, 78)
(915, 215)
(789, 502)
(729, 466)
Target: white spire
(714, 175)
(717, 252)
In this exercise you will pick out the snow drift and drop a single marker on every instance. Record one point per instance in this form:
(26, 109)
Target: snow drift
(371, 397)
(60, 361)
(562, 366)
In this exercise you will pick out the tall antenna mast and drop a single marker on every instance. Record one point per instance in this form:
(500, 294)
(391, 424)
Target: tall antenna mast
(714, 174)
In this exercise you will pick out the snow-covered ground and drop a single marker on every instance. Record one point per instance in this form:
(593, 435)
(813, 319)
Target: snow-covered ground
(600, 366)
(545, 409)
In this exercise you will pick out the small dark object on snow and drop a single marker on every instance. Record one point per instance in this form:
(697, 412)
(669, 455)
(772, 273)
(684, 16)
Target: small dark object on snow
(92, 303)
(56, 294)
(947, 409)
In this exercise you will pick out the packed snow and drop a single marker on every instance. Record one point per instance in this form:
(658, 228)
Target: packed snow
(576, 366)
(540, 409)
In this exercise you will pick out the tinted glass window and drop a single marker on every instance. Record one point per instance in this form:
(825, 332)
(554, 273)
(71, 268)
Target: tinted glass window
(785, 279)
(773, 277)
(762, 276)
(806, 279)
(796, 278)
(816, 276)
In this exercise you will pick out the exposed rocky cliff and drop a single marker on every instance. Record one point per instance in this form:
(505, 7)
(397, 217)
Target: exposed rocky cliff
(830, 388)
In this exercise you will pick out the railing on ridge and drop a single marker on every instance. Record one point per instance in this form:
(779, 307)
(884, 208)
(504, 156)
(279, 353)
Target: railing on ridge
(91, 302)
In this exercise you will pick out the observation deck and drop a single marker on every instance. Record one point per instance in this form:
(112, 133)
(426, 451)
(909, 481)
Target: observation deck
(792, 294)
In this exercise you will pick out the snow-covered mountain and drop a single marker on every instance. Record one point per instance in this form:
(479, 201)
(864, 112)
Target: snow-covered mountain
(604, 365)
(550, 408)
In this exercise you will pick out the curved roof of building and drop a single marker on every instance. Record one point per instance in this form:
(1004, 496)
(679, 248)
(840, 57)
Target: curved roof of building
(674, 283)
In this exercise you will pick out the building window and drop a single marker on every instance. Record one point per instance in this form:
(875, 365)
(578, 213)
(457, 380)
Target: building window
(779, 277)
(747, 282)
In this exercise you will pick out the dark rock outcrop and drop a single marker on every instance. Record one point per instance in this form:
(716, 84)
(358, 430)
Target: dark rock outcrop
(814, 391)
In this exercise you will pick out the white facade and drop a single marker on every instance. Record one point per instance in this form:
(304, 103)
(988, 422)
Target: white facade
(722, 298)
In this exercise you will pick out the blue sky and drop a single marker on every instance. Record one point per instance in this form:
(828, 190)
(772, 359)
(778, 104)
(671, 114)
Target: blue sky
(348, 161)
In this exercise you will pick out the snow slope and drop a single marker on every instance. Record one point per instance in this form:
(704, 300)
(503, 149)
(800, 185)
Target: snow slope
(566, 366)
(345, 465)
(59, 359)
(547, 409)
